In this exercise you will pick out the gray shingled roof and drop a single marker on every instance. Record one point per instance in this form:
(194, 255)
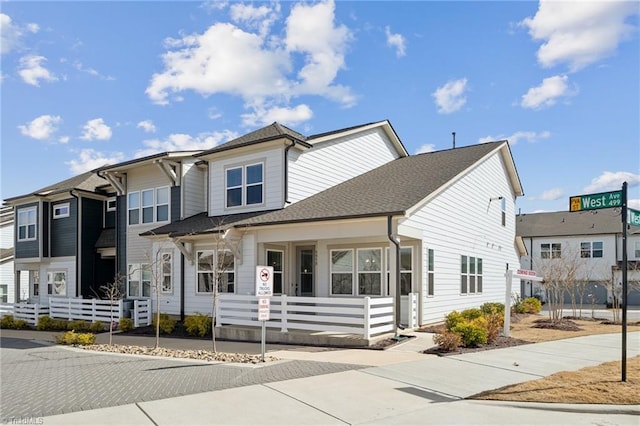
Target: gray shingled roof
(566, 223)
(107, 239)
(88, 181)
(270, 132)
(391, 189)
(201, 224)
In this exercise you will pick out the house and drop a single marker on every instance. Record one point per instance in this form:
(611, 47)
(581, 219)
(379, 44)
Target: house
(55, 232)
(345, 215)
(7, 286)
(589, 244)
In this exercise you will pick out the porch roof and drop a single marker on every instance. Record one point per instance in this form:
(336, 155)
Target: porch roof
(392, 189)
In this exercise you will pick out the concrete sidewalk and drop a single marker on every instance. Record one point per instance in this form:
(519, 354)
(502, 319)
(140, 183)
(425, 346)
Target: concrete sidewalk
(403, 390)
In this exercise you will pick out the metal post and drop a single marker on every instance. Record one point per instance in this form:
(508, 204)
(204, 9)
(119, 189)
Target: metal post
(624, 281)
(507, 304)
(264, 338)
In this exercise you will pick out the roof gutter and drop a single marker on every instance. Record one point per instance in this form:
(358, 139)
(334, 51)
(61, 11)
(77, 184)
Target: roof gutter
(396, 242)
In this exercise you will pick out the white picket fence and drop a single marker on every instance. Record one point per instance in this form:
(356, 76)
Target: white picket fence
(367, 316)
(91, 310)
(30, 312)
(142, 313)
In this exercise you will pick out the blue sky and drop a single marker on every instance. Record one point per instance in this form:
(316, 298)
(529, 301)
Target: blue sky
(89, 83)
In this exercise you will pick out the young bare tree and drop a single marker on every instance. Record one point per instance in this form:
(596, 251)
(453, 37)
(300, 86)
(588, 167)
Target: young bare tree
(560, 271)
(113, 292)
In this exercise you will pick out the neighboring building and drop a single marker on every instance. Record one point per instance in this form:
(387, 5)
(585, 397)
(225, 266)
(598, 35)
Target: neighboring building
(7, 285)
(55, 232)
(589, 242)
(326, 211)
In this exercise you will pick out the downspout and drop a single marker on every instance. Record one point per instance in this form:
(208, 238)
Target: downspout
(181, 287)
(78, 251)
(396, 242)
(286, 171)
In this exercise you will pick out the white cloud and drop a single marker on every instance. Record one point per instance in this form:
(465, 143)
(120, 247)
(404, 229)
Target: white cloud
(634, 204)
(147, 126)
(184, 142)
(11, 34)
(426, 148)
(32, 71)
(396, 41)
(579, 33)
(42, 127)
(215, 61)
(516, 137)
(91, 71)
(551, 194)
(96, 129)
(612, 181)
(451, 97)
(550, 90)
(89, 159)
(288, 116)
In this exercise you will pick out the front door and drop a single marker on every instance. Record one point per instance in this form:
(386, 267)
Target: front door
(306, 260)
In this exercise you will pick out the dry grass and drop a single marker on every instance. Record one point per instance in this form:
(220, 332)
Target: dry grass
(600, 384)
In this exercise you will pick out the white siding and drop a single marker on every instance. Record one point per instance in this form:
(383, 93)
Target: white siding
(463, 221)
(169, 302)
(330, 163)
(193, 189)
(7, 278)
(273, 181)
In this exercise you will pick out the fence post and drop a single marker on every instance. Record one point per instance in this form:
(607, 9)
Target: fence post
(283, 312)
(69, 309)
(120, 309)
(412, 310)
(367, 319)
(36, 311)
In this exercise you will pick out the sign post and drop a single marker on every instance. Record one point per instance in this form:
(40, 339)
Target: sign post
(264, 290)
(522, 274)
(606, 200)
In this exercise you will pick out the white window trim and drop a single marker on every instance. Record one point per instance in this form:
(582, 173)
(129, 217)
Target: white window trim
(25, 211)
(51, 283)
(276, 272)
(358, 271)
(469, 274)
(61, 206)
(354, 260)
(166, 258)
(109, 201)
(244, 185)
(154, 205)
(214, 254)
(138, 273)
(402, 271)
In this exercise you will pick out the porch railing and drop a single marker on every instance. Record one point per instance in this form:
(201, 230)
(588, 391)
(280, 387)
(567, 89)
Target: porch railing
(85, 309)
(367, 316)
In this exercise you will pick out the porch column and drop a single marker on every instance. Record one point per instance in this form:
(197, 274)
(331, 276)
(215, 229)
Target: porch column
(16, 286)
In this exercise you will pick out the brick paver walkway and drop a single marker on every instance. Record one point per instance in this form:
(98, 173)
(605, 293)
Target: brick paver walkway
(46, 380)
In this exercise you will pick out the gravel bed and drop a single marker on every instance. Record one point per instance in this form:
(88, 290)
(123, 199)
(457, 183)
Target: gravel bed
(202, 355)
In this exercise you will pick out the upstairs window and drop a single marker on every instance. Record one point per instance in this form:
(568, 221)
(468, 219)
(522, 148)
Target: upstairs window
(503, 208)
(245, 185)
(591, 249)
(61, 210)
(149, 206)
(550, 251)
(27, 224)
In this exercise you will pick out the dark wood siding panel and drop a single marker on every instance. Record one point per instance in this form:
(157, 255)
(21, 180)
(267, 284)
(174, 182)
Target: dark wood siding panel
(91, 225)
(25, 249)
(64, 230)
(175, 203)
(45, 229)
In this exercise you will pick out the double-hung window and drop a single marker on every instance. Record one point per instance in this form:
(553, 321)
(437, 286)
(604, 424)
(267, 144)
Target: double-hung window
(551, 251)
(27, 224)
(470, 275)
(139, 280)
(591, 249)
(222, 262)
(35, 282)
(57, 283)
(342, 272)
(370, 271)
(275, 259)
(406, 271)
(245, 185)
(149, 206)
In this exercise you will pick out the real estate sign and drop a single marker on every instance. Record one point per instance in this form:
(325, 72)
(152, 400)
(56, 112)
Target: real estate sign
(602, 200)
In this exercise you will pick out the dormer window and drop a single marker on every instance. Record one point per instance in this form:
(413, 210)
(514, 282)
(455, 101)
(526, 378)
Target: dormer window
(245, 185)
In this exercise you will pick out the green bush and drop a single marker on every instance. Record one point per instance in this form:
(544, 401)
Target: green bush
(77, 325)
(96, 327)
(125, 324)
(7, 321)
(447, 340)
(471, 314)
(45, 323)
(167, 324)
(73, 338)
(60, 324)
(473, 333)
(492, 308)
(198, 325)
(493, 323)
(452, 319)
(531, 305)
(20, 324)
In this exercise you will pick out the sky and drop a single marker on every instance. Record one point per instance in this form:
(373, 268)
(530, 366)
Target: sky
(84, 84)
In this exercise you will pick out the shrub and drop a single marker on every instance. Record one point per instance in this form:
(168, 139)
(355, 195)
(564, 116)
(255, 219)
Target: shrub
(452, 319)
(125, 324)
(471, 314)
(473, 333)
(7, 321)
(45, 323)
(167, 324)
(198, 325)
(59, 325)
(492, 308)
(77, 325)
(20, 324)
(493, 324)
(447, 340)
(531, 305)
(73, 338)
(96, 327)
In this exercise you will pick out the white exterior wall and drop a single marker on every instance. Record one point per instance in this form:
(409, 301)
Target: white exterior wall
(462, 221)
(193, 189)
(273, 184)
(330, 163)
(60, 264)
(7, 276)
(169, 301)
